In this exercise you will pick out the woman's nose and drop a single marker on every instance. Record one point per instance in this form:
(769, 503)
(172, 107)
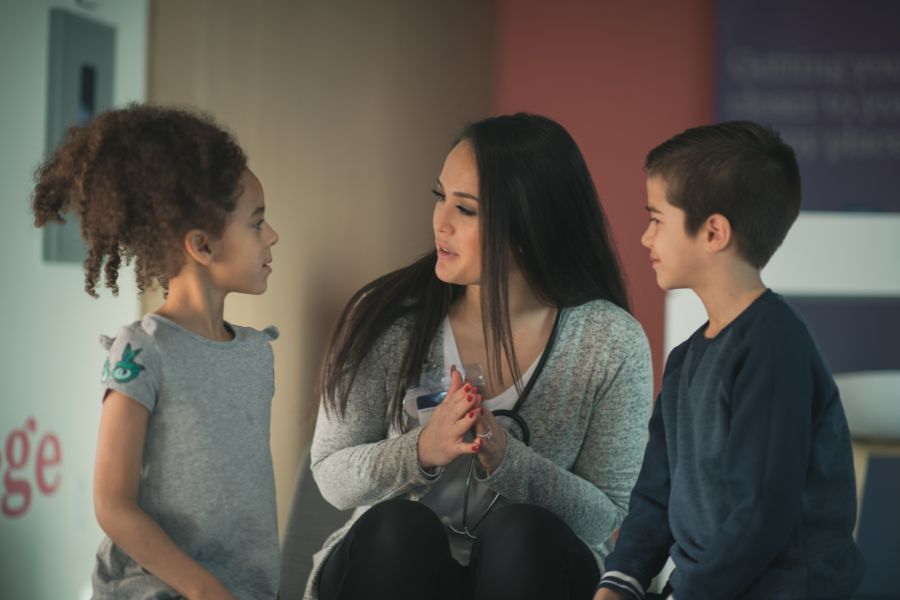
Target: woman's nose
(440, 221)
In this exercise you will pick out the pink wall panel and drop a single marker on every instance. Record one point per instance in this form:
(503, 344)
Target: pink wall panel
(621, 77)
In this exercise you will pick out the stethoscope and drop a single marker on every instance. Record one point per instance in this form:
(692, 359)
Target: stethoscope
(514, 415)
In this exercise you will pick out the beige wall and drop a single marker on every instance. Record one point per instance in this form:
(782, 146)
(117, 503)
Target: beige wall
(346, 110)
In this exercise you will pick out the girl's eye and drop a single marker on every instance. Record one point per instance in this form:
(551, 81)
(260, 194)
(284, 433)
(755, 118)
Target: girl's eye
(258, 225)
(654, 220)
(438, 196)
(462, 209)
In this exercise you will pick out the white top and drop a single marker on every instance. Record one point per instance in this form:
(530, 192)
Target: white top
(446, 496)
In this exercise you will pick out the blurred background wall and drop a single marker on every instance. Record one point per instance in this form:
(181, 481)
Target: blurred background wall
(346, 110)
(51, 360)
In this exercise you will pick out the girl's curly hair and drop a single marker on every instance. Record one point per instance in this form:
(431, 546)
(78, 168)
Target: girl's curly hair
(138, 179)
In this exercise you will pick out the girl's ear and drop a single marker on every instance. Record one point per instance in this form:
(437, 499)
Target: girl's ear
(198, 246)
(717, 232)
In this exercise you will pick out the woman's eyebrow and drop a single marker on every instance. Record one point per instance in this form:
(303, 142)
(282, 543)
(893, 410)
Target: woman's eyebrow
(440, 186)
(466, 195)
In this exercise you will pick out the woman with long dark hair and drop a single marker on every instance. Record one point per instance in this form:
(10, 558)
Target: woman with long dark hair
(507, 485)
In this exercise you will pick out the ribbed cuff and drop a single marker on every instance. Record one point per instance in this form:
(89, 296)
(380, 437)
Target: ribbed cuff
(620, 582)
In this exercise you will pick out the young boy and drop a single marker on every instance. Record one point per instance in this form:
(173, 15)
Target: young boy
(747, 479)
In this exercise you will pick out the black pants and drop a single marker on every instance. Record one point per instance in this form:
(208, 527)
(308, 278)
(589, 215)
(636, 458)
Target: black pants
(398, 549)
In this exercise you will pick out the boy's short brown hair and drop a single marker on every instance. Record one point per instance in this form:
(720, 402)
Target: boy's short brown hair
(739, 169)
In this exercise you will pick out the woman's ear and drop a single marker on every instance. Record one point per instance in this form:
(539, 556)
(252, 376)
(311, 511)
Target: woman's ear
(717, 232)
(198, 246)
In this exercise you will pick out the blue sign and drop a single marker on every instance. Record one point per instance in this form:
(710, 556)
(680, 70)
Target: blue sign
(827, 76)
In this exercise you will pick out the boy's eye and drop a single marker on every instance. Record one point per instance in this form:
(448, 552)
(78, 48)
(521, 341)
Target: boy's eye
(258, 224)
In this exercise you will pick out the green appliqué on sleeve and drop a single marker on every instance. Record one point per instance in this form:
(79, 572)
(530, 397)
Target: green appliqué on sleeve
(126, 369)
(104, 376)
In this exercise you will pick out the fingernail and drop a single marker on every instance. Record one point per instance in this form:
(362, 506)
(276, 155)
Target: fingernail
(469, 397)
(474, 447)
(468, 388)
(472, 415)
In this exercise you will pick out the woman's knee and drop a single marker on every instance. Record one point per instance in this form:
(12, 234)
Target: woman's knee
(523, 527)
(399, 526)
(396, 549)
(524, 551)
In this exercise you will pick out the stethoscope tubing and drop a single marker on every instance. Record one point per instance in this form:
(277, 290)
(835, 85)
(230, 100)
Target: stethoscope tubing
(520, 421)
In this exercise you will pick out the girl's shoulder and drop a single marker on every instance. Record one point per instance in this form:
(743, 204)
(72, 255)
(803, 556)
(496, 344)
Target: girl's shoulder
(135, 333)
(268, 334)
(132, 365)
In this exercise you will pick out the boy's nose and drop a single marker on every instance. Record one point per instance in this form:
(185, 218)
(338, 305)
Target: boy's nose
(645, 238)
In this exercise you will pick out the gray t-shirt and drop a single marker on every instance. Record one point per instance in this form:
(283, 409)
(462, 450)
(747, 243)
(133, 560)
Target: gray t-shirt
(207, 475)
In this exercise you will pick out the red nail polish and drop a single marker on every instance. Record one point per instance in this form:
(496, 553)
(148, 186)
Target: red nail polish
(469, 397)
(468, 388)
(474, 447)
(472, 415)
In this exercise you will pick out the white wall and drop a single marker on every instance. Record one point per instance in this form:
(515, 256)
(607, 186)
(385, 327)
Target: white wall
(50, 360)
(824, 254)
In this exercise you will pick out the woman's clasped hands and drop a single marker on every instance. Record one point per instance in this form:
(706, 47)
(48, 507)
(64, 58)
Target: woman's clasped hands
(444, 437)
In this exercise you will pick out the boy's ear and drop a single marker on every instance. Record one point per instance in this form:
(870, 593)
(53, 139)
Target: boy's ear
(717, 232)
(198, 246)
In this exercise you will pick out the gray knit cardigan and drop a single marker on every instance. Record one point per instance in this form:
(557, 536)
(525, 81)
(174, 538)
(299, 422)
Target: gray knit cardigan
(587, 414)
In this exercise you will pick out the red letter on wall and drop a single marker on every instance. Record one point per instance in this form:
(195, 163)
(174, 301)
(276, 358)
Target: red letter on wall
(48, 442)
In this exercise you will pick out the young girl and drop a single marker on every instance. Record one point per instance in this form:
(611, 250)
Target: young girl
(183, 482)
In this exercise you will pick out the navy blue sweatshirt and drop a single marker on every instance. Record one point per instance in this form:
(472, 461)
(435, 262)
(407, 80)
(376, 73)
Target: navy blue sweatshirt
(747, 478)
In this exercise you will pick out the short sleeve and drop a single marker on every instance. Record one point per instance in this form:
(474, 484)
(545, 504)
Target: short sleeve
(131, 366)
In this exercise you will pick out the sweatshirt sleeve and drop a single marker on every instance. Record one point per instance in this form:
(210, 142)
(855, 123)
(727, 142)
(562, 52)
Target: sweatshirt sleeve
(645, 536)
(766, 458)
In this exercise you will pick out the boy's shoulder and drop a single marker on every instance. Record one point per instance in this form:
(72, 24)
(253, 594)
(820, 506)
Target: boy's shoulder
(771, 324)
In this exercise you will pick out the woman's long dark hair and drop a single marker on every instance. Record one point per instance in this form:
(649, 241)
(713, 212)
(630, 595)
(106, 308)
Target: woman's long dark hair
(538, 206)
